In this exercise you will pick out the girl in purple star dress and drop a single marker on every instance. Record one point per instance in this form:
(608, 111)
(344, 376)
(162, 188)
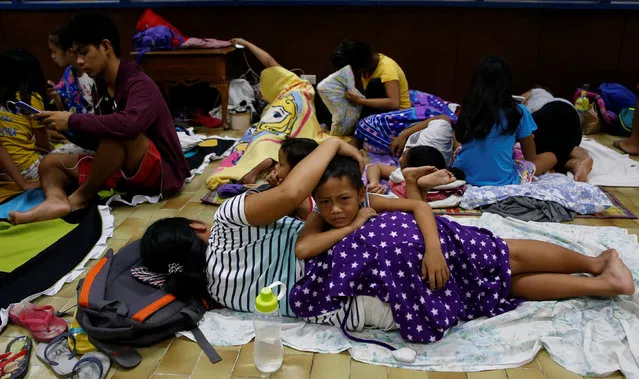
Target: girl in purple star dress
(431, 272)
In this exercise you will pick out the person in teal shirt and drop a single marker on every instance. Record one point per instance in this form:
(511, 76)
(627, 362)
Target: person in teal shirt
(489, 125)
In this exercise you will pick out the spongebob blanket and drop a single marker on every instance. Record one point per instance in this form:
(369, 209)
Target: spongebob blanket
(290, 113)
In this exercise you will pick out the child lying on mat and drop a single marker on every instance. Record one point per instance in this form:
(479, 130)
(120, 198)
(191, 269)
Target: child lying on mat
(292, 151)
(418, 156)
(367, 258)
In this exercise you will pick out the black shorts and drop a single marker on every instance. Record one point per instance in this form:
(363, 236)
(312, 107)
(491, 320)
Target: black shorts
(558, 131)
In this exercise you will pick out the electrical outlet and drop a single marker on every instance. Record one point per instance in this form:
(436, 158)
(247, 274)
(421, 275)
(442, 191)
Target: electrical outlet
(310, 78)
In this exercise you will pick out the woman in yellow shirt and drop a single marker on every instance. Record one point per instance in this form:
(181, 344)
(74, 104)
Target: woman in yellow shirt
(388, 107)
(384, 82)
(21, 138)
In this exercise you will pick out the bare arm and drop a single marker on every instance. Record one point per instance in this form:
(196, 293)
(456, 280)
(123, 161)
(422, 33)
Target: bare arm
(265, 58)
(434, 265)
(313, 240)
(528, 148)
(389, 103)
(398, 143)
(10, 167)
(42, 140)
(376, 172)
(269, 206)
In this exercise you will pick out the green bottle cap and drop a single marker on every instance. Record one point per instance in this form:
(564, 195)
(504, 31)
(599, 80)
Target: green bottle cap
(266, 302)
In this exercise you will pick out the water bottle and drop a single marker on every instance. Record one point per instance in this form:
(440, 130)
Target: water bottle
(267, 321)
(582, 103)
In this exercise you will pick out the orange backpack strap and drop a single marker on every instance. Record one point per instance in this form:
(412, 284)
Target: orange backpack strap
(94, 283)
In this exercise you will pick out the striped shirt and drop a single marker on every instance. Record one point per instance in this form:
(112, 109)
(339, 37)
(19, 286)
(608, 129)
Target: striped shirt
(244, 258)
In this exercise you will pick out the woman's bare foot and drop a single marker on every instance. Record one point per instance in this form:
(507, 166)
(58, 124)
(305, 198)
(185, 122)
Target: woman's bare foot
(583, 170)
(628, 146)
(617, 276)
(414, 173)
(50, 209)
(603, 259)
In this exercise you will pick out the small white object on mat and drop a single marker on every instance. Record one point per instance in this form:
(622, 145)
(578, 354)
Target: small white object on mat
(610, 168)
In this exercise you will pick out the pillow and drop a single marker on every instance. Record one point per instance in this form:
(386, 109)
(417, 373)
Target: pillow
(332, 90)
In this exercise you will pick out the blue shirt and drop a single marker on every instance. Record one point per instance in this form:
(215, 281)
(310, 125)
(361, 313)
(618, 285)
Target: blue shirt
(489, 161)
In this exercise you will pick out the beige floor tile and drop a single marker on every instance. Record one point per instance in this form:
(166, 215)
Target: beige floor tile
(180, 358)
(128, 228)
(245, 365)
(207, 214)
(199, 194)
(447, 375)
(56, 302)
(121, 213)
(532, 364)
(147, 210)
(40, 372)
(402, 373)
(334, 366)
(69, 289)
(204, 369)
(361, 370)
(288, 350)
(178, 201)
(162, 376)
(12, 330)
(162, 213)
(228, 348)
(116, 245)
(294, 366)
(151, 356)
(190, 210)
(524, 373)
(490, 374)
(552, 370)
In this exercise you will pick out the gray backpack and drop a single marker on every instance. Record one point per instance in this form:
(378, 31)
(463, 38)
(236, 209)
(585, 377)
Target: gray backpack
(114, 307)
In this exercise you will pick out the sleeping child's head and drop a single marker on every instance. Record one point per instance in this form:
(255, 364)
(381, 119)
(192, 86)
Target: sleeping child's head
(292, 151)
(420, 156)
(340, 192)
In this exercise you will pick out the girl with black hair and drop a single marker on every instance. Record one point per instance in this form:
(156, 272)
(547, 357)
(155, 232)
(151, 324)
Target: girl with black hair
(22, 139)
(383, 80)
(489, 125)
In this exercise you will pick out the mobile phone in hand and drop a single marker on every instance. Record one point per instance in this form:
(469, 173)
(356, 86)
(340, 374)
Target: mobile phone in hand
(25, 108)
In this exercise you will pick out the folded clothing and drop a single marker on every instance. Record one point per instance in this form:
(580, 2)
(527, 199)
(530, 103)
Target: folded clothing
(529, 209)
(582, 198)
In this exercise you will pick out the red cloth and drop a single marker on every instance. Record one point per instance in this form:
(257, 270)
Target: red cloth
(150, 19)
(146, 180)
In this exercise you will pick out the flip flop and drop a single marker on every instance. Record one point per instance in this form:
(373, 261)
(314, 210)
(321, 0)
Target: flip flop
(617, 144)
(57, 355)
(94, 365)
(124, 356)
(15, 361)
(41, 321)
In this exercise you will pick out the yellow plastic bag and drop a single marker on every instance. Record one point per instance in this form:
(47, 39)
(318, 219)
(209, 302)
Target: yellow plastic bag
(82, 344)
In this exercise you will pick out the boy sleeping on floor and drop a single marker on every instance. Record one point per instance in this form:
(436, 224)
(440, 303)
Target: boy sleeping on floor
(391, 264)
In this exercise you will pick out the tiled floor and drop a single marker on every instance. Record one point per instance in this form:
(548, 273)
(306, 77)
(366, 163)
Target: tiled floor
(182, 359)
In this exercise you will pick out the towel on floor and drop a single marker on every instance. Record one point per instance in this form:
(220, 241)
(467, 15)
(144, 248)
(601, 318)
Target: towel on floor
(610, 168)
(39, 258)
(589, 336)
(529, 209)
(290, 114)
(21, 203)
(583, 198)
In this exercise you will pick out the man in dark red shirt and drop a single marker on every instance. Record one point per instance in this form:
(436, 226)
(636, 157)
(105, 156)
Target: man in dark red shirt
(137, 147)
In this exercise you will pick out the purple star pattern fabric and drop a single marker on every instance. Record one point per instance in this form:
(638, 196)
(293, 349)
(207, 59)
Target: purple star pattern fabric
(383, 259)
